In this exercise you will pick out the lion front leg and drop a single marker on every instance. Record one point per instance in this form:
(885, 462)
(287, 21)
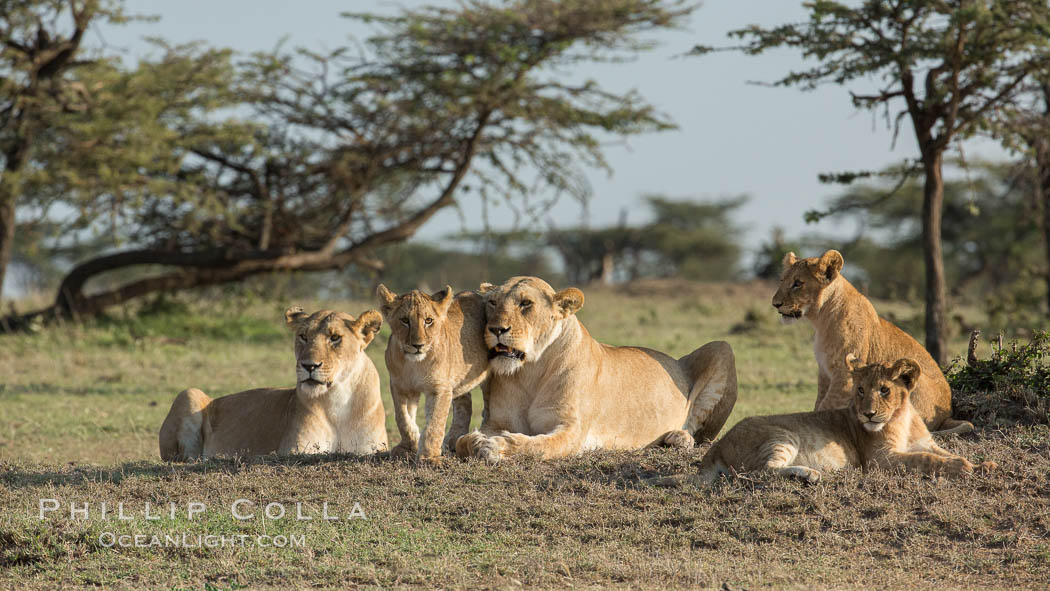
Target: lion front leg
(437, 407)
(562, 441)
(462, 409)
(837, 395)
(405, 405)
(926, 462)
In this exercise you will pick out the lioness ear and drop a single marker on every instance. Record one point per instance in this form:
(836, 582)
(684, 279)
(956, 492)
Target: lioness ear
(367, 325)
(443, 298)
(568, 301)
(386, 297)
(789, 260)
(830, 264)
(907, 371)
(485, 288)
(852, 362)
(294, 315)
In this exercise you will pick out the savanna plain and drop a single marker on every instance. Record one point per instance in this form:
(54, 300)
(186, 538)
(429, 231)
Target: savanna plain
(80, 406)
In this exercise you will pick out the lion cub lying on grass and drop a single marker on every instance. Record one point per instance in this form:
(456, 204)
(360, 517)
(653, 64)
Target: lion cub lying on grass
(878, 428)
(846, 322)
(335, 407)
(436, 348)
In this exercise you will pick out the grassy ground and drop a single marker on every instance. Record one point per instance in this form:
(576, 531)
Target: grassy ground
(80, 408)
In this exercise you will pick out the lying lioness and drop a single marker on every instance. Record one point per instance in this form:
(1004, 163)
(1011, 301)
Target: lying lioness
(846, 322)
(555, 391)
(878, 428)
(436, 348)
(335, 406)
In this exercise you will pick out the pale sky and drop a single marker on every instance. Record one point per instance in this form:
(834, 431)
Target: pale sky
(733, 137)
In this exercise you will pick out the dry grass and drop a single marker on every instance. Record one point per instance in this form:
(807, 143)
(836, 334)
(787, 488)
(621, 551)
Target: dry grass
(79, 409)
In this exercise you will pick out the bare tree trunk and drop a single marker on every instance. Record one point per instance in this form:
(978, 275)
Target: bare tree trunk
(1042, 167)
(932, 207)
(7, 230)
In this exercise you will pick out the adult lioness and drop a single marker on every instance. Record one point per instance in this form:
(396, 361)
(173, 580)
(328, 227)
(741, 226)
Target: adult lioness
(846, 322)
(879, 428)
(335, 406)
(436, 347)
(555, 391)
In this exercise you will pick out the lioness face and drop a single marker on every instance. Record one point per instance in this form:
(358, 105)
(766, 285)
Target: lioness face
(803, 283)
(327, 344)
(524, 316)
(415, 318)
(881, 391)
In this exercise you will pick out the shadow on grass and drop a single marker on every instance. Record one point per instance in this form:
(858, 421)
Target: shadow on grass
(17, 476)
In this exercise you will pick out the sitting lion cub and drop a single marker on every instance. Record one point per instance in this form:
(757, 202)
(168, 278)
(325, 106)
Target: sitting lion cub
(436, 348)
(878, 428)
(335, 407)
(846, 322)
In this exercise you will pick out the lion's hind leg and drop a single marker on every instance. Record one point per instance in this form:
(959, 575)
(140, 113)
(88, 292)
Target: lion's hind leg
(779, 457)
(955, 426)
(712, 370)
(182, 433)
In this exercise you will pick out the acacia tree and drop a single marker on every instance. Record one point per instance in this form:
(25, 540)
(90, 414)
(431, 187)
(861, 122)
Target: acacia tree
(353, 150)
(950, 62)
(1024, 126)
(40, 48)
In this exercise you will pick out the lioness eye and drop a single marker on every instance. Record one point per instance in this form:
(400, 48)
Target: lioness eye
(302, 337)
(491, 303)
(797, 284)
(860, 390)
(884, 390)
(404, 321)
(526, 303)
(429, 321)
(335, 338)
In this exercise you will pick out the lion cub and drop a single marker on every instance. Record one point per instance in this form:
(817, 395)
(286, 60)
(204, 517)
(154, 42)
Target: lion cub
(878, 428)
(436, 348)
(335, 406)
(846, 322)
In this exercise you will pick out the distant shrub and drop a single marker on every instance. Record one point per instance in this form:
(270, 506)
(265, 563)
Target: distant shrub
(1012, 387)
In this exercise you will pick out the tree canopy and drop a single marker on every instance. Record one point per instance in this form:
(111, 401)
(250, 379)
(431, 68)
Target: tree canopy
(296, 160)
(949, 64)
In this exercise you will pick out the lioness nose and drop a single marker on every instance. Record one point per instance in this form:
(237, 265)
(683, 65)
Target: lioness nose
(310, 367)
(777, 304)
(418, 346)
(498, 330)
(869, 413)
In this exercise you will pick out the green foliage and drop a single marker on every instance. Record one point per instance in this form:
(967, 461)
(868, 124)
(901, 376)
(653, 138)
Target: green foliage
(991, 238)
(1010, 387)
(770, 257)
(417, 265)
(346, 151)
(688, 239)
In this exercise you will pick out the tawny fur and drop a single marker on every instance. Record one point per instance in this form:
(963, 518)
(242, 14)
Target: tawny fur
(555, 391)
(335, 407)
(879, 427)
(846, 322)
(449, 363)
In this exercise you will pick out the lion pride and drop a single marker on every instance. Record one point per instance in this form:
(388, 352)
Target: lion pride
(846, 323)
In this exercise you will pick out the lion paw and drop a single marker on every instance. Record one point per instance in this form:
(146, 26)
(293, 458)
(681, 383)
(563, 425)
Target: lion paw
(403, 450)
(987, 467)
(679, 440)
(959, 466)
(468, 444)
(432, 461)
